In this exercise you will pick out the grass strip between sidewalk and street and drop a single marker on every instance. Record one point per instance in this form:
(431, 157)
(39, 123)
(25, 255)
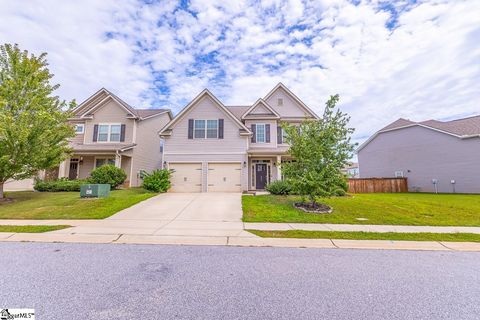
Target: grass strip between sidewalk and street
(31, 229)
(356, 235)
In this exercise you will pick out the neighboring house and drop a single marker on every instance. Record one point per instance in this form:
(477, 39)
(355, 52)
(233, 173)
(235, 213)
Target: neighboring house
(216, 148)
(351, 170)
(109, 131)
(433, 155)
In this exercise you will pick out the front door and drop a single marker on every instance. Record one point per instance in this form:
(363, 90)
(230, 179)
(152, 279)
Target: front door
(260, 175)
(72, 174)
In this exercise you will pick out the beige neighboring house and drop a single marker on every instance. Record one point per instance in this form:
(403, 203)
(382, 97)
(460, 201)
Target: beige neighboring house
(216, 148)
(110, 131)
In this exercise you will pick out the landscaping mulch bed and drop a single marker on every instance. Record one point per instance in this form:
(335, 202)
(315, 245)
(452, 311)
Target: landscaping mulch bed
(313, 208)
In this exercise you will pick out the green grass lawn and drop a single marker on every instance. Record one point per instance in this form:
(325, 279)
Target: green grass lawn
(68, 205)
(31, 229)
(377, 208)
(459, 237)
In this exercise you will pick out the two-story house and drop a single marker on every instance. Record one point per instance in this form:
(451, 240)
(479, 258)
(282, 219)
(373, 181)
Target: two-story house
(110, 131)
(216, 148)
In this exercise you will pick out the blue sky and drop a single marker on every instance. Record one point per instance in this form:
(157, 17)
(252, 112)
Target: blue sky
(386, 59)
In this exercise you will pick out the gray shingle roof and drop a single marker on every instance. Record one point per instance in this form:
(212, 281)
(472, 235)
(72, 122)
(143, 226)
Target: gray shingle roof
(460, 127)
(238, 111)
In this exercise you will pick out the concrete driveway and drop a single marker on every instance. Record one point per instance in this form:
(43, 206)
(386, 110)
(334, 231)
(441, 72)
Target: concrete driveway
(174, 214)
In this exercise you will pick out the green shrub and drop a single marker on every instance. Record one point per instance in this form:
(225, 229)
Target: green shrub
(157, 181)
(339, 192)
(62, 184)
(279, 187)
(108, 174)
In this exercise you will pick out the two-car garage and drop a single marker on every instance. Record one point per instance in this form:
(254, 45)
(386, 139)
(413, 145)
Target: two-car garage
(209, 177)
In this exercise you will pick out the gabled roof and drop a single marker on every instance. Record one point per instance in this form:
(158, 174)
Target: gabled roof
(294, 97)
(205, 92)
(461, 128)
(261, 102)
(84, 109)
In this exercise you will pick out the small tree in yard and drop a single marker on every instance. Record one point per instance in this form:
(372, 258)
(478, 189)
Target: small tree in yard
(33, 124)
(320, 149)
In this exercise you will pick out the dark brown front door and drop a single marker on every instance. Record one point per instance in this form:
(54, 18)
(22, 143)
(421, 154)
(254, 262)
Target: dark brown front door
(72, 174)
(260, 175)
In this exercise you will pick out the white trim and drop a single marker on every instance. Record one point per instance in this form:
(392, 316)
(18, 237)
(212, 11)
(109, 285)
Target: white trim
(265, 104)
(158, 114)
(101, 103)
(293, 96)
(134, 134)
(193, 103)
(109, 132)
(92, 97)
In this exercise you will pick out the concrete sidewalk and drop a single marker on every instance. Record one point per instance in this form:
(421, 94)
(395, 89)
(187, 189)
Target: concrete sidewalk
(246, 240)
(357, 227)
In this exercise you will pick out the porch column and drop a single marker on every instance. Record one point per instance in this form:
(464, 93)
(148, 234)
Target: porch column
(62, 168)
(279, 167)
(118, 161)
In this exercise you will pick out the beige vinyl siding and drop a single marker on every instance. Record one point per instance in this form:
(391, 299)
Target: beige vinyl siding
(126, 163)
(290, 107)
(206, 109)
(85, 168)
(146, 154)
(111, 112)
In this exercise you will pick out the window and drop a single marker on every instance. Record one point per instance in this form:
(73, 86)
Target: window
(109, 132)
(212, 129)
(103, 132)
(79, 128)
(115, 132)
(284, 135)
(199, 129)
(260, 132)
(280, 102)
(162, 143)
(399, 174)
(103, 161)
(205, 129)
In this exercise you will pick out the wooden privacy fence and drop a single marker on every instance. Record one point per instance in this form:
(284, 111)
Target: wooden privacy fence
(370, 185)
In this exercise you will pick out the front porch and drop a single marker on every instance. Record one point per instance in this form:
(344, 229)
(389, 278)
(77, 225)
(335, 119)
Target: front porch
(264, 169)
(80, 165)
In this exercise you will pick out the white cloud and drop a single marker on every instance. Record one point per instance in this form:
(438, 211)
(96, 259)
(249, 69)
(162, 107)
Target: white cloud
(161, 53)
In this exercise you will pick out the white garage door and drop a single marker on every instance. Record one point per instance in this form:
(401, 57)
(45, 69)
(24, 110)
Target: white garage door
(186, 177)
(224, 177)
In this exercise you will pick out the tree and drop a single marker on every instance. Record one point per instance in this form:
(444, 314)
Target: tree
(320, 149)
(33, 122)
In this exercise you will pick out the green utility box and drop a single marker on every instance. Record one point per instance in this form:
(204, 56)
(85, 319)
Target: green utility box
(94, 190)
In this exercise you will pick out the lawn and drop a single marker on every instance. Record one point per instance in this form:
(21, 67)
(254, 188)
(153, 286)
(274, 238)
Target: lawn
(301, 234)
(371, 208)
(68, 205)
(31, 229)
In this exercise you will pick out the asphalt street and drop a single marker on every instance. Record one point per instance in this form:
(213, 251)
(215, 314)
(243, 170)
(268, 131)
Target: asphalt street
(113, 281)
